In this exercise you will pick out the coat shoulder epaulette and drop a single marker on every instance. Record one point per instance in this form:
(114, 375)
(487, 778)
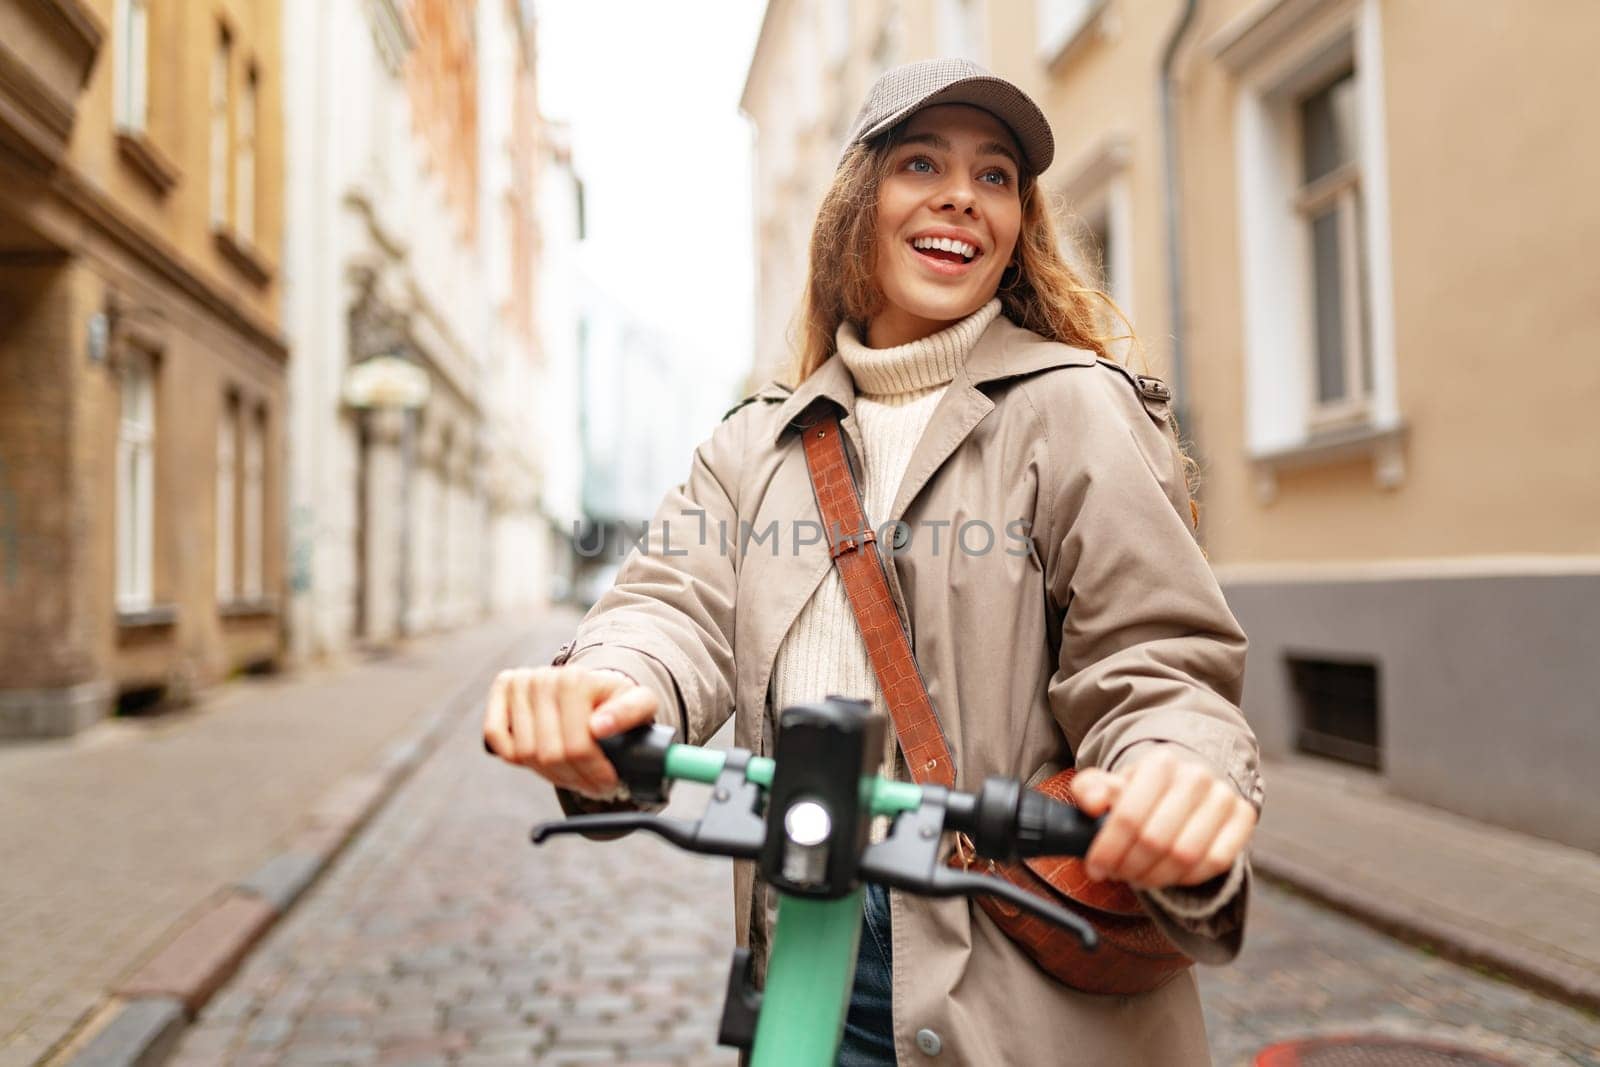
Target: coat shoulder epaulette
(771, 393)
(1153, 392)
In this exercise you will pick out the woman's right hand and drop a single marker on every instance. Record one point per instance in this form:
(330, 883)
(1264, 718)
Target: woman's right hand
(549, 720)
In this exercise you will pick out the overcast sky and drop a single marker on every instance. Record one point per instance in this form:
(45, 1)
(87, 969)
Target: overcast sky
(652, 92)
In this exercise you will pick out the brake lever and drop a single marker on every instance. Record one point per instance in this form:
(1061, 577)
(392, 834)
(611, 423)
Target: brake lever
(678, 831)
(731, 826)
(948, 882)
(909, 859)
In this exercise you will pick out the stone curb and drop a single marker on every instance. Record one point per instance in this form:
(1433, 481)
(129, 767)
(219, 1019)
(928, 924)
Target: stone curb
(1556, 978)
(200, 958)
(154, 1006)
(142, 1033)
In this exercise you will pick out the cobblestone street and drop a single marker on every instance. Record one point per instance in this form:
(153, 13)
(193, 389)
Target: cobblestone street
(1307, 970)
(442, 937)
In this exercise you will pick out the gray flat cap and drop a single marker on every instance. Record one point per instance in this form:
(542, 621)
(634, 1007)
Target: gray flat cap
(910, 87)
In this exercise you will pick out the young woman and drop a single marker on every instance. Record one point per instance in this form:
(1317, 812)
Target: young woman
(1084, 627)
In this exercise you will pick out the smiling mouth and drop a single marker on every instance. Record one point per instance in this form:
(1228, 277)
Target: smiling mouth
(941, 255)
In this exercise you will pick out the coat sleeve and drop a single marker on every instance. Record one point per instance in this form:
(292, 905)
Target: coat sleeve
(667, 620)
(1150, 654)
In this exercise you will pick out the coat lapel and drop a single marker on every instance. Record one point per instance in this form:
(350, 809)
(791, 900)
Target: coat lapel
(1005, 350)
(789, 579)
(831, 381)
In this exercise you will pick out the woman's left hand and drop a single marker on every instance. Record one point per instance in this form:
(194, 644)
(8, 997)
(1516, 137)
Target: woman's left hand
(1173, 821)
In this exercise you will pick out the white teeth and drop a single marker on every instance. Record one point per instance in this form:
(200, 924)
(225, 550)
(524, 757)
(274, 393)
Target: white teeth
(946, 244)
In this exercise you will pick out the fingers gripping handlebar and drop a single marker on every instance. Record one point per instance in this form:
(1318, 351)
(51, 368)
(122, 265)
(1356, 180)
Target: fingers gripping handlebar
(815, 843)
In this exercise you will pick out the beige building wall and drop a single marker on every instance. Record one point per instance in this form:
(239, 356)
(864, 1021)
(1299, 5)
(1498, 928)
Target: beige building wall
(1434, 549)
(111, 257)
(1490, 166)
(163, 177)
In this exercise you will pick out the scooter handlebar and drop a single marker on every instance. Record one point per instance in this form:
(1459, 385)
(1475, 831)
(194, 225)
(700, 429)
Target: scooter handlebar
(1048, 827)
(640, 759)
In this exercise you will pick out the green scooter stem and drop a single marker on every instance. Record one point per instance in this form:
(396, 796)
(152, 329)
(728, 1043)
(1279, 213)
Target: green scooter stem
(808, 982)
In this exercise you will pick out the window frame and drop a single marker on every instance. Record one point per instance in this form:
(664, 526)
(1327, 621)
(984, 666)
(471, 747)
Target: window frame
(253, 505)
(1339, 190)
(244, 155)
(1278, 57)
(136, 481)
(132, 64)
(227, 500)
(961, 28)
(221, 111)
(1059, 25)
(1099, 185)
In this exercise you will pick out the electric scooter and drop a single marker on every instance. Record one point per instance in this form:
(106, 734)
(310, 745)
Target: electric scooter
(805, 818)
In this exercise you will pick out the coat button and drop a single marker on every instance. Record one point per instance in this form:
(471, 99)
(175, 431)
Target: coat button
(929, 1042)
(901, 538)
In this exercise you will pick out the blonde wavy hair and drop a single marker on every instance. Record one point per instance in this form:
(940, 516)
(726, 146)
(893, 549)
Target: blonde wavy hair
(1039, 290)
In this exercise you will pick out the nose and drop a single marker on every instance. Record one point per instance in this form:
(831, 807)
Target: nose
(958, 193)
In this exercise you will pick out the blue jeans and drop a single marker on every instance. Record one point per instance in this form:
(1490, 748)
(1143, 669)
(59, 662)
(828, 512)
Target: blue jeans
(869, 1023)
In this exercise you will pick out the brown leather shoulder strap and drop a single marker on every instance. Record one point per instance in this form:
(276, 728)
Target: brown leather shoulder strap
(854, 548)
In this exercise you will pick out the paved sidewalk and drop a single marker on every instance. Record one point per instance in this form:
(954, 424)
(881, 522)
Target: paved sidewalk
(116, 839)
(441, 936)
(1517, 904)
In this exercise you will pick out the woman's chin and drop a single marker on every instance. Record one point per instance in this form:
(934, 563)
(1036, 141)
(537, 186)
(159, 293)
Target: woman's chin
(947, 305)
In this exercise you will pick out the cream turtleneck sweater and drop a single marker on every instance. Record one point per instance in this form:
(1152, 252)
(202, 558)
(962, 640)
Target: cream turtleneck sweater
(896, 392)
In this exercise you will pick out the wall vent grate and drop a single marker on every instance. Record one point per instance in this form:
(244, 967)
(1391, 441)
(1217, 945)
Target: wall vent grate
(1338, 710)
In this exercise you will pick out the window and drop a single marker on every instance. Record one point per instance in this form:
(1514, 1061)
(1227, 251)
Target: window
(1096, 249)
(221, 66)
(227, 500)
(136, 431)
(1312, 205)
(836, 31)
(1097, 233)
(960, 30)
(1330, 203)
(132, 49)
(442, 514)
(253, 509)
(1060, 23)
(244, 182)
(1094, 242)
(890, 42)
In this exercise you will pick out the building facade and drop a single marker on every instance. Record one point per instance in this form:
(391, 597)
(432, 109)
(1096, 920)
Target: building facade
(414, 245)
(559, 405)
(142, 361)
(1352, 235)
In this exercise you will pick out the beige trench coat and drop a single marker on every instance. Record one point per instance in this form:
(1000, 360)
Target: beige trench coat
(1100, 633)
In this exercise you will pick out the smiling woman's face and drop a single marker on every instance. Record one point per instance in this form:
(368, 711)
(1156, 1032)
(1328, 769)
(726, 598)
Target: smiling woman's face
(954, 175)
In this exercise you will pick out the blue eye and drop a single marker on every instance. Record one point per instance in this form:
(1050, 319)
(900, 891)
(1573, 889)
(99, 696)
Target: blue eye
(997, 172)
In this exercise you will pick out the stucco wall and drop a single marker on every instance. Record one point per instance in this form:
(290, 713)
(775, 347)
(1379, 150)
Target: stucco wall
(1488, 686)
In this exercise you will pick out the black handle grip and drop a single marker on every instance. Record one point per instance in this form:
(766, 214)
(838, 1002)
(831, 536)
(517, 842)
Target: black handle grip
(640, 758)
(1006, 821)
(1047, 827)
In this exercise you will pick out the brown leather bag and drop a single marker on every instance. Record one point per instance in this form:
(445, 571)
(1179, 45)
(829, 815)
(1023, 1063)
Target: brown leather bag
(1134, 955)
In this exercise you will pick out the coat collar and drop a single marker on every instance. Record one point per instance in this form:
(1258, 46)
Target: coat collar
(1004, 350)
